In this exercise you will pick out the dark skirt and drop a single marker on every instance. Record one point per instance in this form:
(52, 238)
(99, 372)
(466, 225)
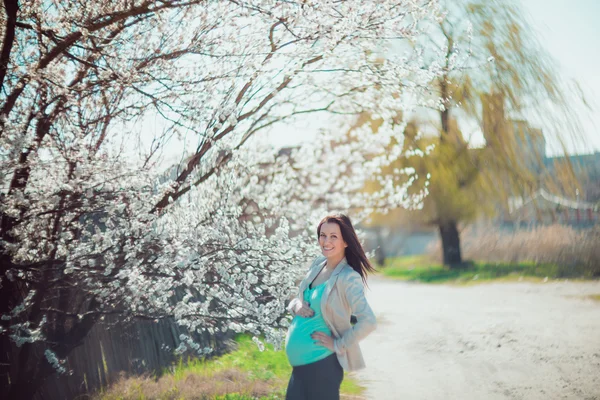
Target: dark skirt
(320, 380)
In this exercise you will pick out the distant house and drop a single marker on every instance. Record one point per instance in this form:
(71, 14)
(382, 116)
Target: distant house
(571, 196)
(546, 208)
(587, 169)
(581, 209)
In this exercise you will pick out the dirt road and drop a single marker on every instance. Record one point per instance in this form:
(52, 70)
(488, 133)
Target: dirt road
(489, 341)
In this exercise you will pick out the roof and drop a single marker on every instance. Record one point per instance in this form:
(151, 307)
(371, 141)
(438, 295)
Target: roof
(557, 200)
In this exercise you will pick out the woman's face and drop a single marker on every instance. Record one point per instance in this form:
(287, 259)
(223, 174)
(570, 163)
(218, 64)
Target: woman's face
(331, 241)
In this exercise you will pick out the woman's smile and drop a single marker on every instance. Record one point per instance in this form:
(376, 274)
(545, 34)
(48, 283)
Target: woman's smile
(331, 241)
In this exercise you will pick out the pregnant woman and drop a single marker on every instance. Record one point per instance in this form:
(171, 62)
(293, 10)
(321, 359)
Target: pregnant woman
(321, 342)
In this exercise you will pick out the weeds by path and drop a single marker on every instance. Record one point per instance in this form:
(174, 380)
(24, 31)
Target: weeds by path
(244, 374)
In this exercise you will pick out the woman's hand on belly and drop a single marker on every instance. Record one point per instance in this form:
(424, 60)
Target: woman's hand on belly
(323, 339)
(304, 310)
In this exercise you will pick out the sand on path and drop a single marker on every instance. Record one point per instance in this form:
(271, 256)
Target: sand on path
(488, 341)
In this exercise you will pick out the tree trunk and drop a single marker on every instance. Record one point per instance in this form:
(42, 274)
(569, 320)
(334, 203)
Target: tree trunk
(379, 251)
(450, 243)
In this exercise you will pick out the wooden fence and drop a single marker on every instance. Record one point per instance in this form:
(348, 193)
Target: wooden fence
(113, 348)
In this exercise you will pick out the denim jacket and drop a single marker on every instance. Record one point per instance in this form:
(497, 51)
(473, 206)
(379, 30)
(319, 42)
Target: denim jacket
(343, 297)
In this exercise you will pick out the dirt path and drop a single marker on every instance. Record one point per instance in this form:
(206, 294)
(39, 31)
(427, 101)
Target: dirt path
(490, 341)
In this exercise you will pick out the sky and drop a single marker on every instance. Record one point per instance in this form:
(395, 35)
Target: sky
(568, 29)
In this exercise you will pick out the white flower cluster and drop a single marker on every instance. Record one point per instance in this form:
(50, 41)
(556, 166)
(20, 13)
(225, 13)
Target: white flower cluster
(187, 341)
(22, 333)
(95, 224)
(54, 361)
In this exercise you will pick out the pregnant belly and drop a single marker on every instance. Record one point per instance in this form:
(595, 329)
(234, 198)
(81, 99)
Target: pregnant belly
(299, 346)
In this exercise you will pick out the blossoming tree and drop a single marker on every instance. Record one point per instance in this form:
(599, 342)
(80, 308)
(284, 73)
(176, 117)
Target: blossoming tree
(92, 226)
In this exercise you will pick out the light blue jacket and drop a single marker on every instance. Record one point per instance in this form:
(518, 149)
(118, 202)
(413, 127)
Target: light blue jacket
(343, 297)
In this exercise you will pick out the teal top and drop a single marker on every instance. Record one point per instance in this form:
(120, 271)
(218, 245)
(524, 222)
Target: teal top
(300, 348)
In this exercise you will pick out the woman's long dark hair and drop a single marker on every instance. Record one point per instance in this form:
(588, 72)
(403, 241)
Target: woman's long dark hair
(355, 255)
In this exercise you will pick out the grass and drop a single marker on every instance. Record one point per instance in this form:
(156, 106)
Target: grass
(595, 297)
(421, 269)
(243, 374)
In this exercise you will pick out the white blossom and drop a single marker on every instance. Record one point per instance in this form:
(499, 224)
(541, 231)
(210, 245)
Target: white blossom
(217, 239)
(54, 361)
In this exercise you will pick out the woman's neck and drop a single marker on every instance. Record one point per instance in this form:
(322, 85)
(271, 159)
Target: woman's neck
(333, 262)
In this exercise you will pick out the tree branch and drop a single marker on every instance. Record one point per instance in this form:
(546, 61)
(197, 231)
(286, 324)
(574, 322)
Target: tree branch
(11, 7)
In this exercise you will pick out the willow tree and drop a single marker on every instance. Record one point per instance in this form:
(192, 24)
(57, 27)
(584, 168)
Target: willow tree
(508, 83)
